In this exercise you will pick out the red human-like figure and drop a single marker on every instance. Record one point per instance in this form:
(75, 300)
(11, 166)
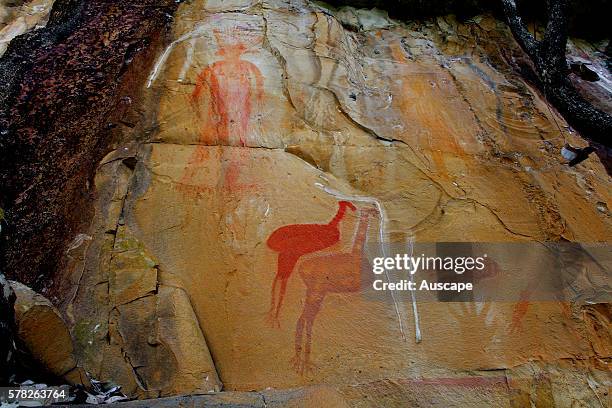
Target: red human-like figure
(323, 274)
(520, 310)
(231, 85)
(293, 241)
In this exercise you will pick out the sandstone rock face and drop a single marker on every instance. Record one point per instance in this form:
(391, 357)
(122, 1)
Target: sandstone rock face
(18, 17)
(133, 327)
(266, 114)
(44, 333)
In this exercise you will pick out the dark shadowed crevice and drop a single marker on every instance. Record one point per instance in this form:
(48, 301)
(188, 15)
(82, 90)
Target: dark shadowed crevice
(587, 19)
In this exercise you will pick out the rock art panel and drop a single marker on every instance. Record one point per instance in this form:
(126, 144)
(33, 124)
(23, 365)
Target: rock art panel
(273, 131)
(235, 273)
(294, 241)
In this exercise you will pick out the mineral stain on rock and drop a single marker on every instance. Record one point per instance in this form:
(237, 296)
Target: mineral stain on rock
(203, 163)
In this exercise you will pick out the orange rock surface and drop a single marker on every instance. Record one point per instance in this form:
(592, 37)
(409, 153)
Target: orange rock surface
(263, 114)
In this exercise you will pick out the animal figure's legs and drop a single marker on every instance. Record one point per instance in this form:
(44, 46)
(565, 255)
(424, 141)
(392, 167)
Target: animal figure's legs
(312, 306)
(281, 296)
(271, 320)
(286, 263)
(299, 331)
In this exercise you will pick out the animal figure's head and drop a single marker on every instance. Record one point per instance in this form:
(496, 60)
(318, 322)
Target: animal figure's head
(345, 204)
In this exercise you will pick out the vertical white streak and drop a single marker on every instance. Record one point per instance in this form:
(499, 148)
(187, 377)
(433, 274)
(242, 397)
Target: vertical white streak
(188, 60)
(415, 309)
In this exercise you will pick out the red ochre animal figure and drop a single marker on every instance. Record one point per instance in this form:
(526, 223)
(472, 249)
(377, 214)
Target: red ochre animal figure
(293, 241)
(336, 272)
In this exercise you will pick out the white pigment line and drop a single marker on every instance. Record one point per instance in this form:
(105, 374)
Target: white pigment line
(196, 32)
(415, 309)
(188, 60)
